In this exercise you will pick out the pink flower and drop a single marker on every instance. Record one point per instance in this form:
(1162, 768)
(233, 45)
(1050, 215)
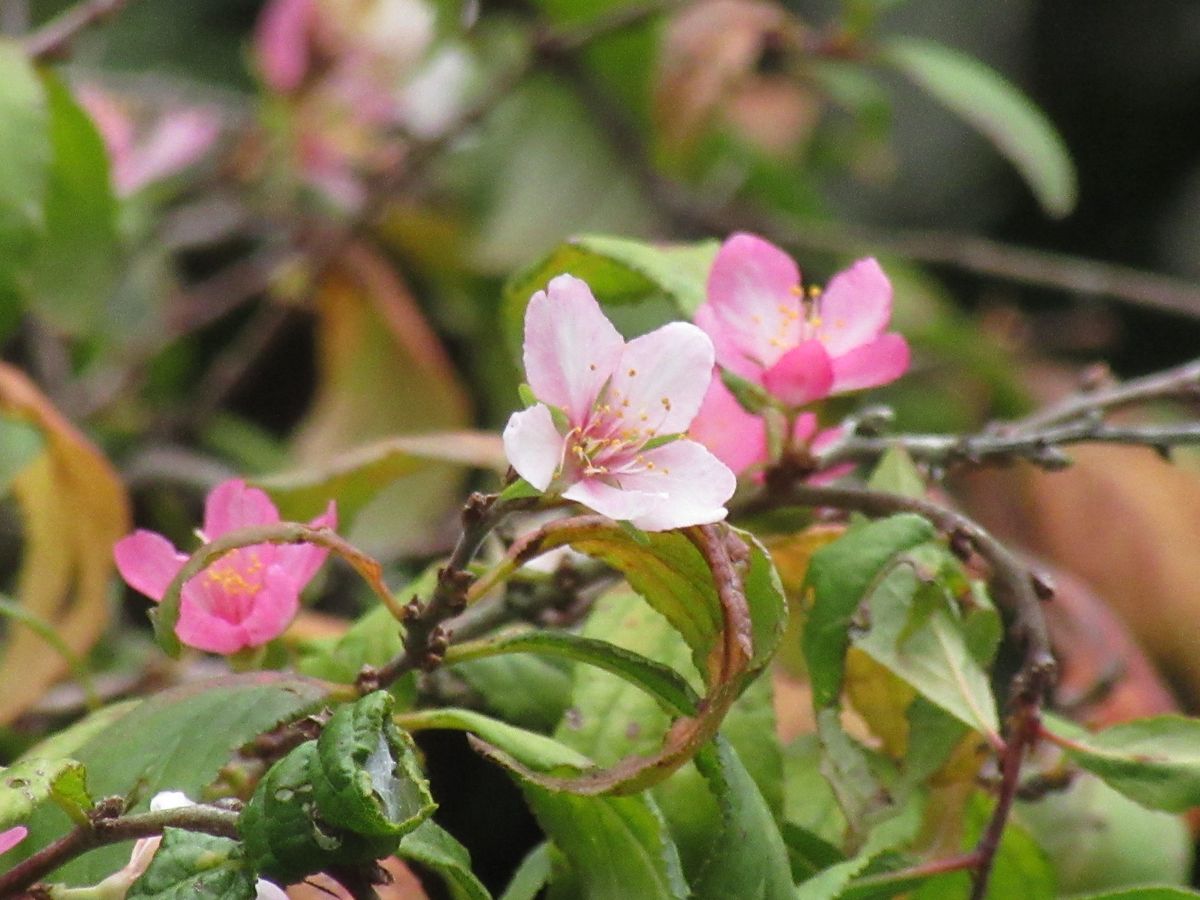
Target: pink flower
(245, 598)
(616, 400)
(175, 141)
(739, 438)
(12, 837)
(800, 347)
(281, 42)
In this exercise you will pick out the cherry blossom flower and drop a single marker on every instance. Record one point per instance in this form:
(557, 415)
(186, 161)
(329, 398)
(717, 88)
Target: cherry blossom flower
(244, 599)
(179, 138)
(800, 346)
(12, 836)
(615, 402)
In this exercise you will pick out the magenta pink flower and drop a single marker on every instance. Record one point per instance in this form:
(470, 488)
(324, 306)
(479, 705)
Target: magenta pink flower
(245, 598)
(12, 837)
(616, 400)
(800, 346)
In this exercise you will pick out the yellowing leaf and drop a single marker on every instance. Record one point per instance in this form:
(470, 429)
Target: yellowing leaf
(73, 508)
(383, 373)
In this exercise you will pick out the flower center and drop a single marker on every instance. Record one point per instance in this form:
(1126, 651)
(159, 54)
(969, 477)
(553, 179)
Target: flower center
(233, 582)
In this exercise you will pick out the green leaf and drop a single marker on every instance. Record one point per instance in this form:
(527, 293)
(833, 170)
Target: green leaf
(176, 740)
(1145, 893)
(1155, 761)
(355, 477)
(75, 265)
(756, 869)
(531, 876)
(808, 853)
(435, 848)
(530, 691)
(840, 576)
(896, 473)
(20, 444)
(659, 681)
(25, 149)
(530, 748)
(1018, 129)
(619, 271)
(193, 866)
(365, 775)
(933, 657)
(26, 785)
(808, 800)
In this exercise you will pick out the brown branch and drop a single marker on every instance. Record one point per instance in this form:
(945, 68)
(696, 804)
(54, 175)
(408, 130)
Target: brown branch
(107, 826)
(54, 38)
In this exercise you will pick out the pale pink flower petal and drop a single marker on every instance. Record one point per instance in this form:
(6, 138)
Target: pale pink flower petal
(301, 561)
(148, 561)
(801, 375)
(694, 485)
(232, 505)
(12, 836)
(612, 500)
(753, 312)
(265, 890)
(570, 347)
(179, 139)
(533, 445)
(736, 437)
(654, 388)
(855, 307)
(281, 42)
(883, 360)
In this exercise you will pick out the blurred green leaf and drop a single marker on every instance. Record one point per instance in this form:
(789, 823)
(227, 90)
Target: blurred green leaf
(1155, 761)
(435, 848)
(531, 876)
(26, 153)
(619, 271)
(191, 866)
(896, 473)
(840, 576)
(527, 690)
(176, 740)
(20, 444)
(1018, 129)
(26, 785)
(76, 262)
(1145, 893)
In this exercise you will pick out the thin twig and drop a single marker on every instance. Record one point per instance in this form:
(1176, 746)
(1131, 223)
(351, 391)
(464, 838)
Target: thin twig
(55, 37)
(107, 826)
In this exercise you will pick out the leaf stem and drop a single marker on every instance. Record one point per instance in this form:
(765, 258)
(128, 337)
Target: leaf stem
(53, 38)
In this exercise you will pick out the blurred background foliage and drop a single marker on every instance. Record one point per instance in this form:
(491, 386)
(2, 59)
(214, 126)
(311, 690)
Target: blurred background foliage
(292, 276)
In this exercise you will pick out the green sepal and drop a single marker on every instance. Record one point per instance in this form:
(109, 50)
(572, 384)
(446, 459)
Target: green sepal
(365, 772)
(753, 398)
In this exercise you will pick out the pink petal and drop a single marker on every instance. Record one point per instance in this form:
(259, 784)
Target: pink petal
(533, 445)
(882, 360)
(232, 505)
(177, 141)
(805, 428)
(281, 42)
(735, 437)
(663, 377)
(301, 561)
(200, 627)
(273, 610)
(570, 347)
(753, 311)
(802, 375)
(696, 486)
(11, 837)
(612, 501)
(148, 561)
(855, 307)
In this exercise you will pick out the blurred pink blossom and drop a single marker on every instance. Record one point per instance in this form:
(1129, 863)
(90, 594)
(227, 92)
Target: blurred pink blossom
(11, 837)
(244, 599)
(176, 140)
(800, 346)
(615, 401)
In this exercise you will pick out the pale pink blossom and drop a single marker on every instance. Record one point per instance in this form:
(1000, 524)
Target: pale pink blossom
(616, 401)
(800, 346)
(739, 438)
(12, 836)
(244, 599)
(165, 147)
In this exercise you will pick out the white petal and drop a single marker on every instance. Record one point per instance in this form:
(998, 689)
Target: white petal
(663, 377)
(695, 483)
(533, 445)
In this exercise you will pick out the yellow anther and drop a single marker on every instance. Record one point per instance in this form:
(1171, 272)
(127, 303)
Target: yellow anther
(797, 290)
(666, 402)
(814, 291)
(632, 372)
(592, 366)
